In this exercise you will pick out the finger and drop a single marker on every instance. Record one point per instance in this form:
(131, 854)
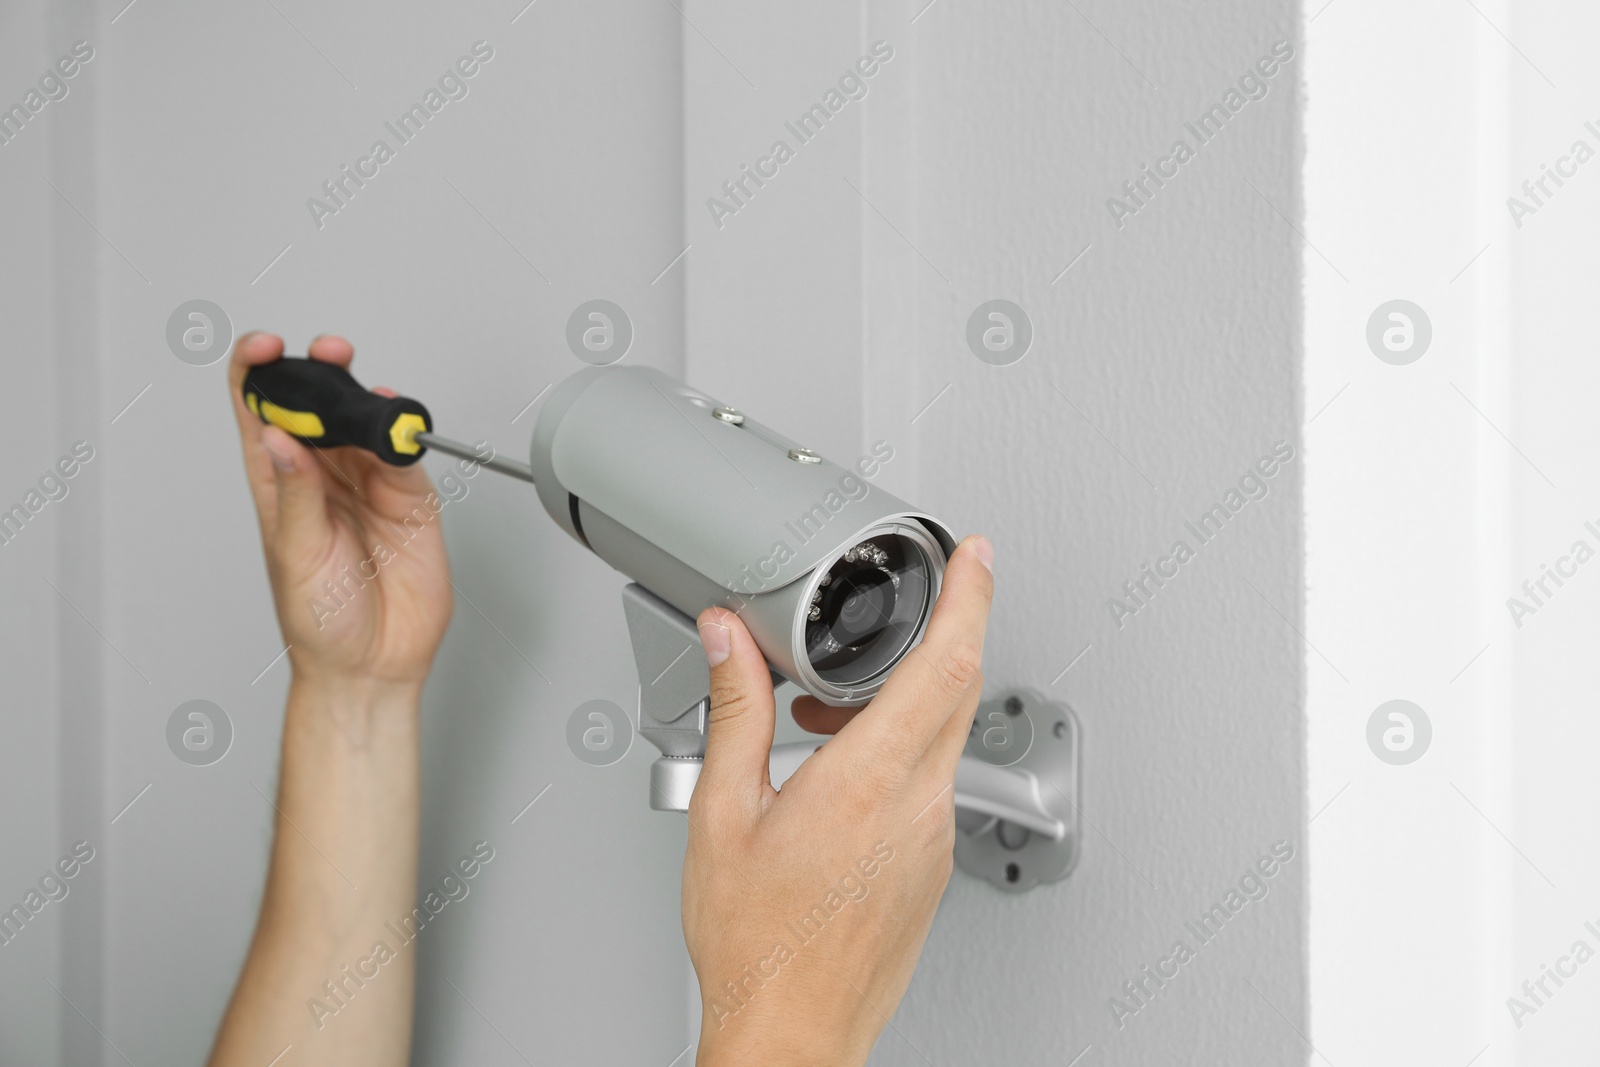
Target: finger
(945, 752)
(302, 520)
(739, 729)
(815, 717)
(395, 493)
(331, 348)
(251, 350)
(937, 679)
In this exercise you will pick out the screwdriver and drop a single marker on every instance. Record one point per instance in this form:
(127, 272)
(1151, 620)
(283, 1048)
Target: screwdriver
(324, 406)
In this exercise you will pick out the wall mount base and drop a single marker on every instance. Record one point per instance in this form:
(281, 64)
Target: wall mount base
(1020, 730)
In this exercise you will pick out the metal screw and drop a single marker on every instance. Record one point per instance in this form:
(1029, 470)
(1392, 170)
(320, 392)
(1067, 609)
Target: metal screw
(1013, 706)
(731, 416)
(804, 455)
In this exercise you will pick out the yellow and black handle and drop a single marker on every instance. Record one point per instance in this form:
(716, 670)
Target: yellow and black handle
(324, 406)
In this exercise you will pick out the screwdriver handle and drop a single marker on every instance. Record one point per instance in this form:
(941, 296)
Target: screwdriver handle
(322, 405)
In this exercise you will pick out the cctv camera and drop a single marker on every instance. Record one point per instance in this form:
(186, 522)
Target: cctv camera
(704, 506)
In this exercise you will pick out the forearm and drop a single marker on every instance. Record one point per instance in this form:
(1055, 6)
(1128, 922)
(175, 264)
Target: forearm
(343, 866)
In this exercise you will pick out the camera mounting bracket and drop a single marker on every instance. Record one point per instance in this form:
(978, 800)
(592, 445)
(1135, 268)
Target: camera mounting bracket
(1020, 732)
(1016, 788)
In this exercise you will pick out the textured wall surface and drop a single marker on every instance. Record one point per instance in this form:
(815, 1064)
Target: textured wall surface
(835, 304)
(1165, 363)
(50, 571)
(553, 181)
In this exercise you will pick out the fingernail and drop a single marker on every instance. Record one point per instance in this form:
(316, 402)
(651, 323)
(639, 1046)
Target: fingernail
(716, 639)
(281, 457)
(984, 551)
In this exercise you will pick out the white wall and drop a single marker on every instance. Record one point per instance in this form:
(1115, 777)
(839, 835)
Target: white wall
(1435, 490)
(981, 161)
(1550, 411)
(1406, 533)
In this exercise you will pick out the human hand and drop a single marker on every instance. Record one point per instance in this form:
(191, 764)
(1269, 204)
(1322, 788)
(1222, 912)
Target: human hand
(353, 545)
(805, 910)
(358, 569)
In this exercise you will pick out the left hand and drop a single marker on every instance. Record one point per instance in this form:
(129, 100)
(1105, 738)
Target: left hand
(354, 546)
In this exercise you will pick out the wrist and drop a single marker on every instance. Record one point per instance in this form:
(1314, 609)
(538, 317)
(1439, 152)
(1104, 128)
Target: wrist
(774, 1045)
(356, 709)
(802, 1051)
(363, 689)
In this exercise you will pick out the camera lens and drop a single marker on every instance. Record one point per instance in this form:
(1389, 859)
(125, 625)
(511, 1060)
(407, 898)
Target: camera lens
(867, 609)
(857, 606)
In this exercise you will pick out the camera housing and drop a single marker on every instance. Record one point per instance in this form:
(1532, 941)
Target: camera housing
(704, 506)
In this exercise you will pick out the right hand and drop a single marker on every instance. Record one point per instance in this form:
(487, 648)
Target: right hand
(805, 910)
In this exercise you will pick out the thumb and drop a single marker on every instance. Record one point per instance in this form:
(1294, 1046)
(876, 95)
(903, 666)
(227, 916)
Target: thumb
(301, 504)
(739, 729)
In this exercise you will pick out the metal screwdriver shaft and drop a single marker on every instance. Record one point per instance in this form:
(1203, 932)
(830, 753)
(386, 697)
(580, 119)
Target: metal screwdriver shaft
(467, 452)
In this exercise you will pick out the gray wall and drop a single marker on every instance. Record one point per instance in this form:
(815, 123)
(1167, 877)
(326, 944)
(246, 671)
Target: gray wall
(835, 304)
(1166, 361)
